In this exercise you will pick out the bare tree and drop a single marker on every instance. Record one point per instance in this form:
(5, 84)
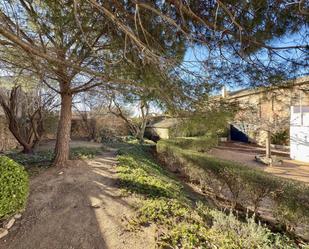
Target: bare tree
(119, 111)
(24, 112)
(88, 123)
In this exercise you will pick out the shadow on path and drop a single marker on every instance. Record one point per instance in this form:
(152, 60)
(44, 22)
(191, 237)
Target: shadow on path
(79, 207)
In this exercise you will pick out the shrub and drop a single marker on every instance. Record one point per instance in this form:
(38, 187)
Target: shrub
(194, 143)
(183, 221)
(14, 187)
(46, 156)
(281, 137)
(292, 200)
(241, 184)
(107, 135)
(228, 232)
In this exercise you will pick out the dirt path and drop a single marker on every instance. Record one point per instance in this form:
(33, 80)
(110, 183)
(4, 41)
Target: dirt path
(77, 208)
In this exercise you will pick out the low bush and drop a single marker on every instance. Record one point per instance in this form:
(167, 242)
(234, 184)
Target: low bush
(29, 159)
(184, 223)
(247, 186)
(194, 143)
(46, 156)
(281, 137)
(14, 187)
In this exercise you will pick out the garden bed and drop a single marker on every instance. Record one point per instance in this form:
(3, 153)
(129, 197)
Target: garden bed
(183, 222)
(284, 201)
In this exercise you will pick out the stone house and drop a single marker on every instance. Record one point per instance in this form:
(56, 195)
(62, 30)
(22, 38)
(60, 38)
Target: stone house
(265, 108)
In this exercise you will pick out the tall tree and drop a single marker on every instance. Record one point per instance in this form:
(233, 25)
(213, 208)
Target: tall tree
(253, 42)
(67, 54)
(74, 44)
(73, 48)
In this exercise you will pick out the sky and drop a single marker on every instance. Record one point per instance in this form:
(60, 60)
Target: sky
(196, 54)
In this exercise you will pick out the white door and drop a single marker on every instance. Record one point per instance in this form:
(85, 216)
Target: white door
(299, 133)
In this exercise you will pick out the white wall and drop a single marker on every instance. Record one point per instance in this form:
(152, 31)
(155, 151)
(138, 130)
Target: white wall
(299, 133)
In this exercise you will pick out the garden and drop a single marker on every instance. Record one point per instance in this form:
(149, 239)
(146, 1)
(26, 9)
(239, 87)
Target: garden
(109, 111)
(187, 221)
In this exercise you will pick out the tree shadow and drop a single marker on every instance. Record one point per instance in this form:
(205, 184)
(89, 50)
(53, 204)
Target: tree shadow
(144, 189)
(75, 207)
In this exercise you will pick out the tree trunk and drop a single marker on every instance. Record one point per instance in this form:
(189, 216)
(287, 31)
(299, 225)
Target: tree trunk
(268, 141)
(62, 148)
(13, 127)
(142, 131)
(133, 129)
(145, 111)
(27, 149)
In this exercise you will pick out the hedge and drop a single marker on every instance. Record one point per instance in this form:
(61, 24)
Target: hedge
(249, 187)
(183, 221)
(14, 187)
(199, 144)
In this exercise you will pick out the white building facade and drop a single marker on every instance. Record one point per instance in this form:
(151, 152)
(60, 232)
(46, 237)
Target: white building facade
(299, 133)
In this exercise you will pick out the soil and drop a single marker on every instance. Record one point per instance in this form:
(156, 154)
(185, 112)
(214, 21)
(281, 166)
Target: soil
(79, 207)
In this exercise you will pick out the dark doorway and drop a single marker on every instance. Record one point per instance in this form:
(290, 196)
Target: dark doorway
(237, 134)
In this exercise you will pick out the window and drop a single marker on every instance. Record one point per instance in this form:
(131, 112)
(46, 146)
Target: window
(300, 115)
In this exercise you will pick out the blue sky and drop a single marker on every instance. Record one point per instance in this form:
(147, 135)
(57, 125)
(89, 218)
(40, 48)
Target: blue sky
(197, 54)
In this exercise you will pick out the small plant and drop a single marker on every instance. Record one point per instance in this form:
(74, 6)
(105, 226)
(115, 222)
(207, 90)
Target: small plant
(46, 156)
(182, 222)
(281, 137)
(14, 187)
(84, 153)
(39, 157)
(133, 170)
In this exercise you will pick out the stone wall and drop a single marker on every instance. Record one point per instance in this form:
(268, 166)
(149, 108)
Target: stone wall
(103, 125)
(268, 108)
(7, 140)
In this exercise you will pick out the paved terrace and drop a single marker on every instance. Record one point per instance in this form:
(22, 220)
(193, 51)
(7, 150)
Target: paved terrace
(245, 154)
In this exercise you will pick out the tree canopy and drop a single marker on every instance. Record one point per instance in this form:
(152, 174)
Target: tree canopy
(73, 46)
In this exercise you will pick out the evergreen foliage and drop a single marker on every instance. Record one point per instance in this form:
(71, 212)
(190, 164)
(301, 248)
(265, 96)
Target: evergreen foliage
(14, 187)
